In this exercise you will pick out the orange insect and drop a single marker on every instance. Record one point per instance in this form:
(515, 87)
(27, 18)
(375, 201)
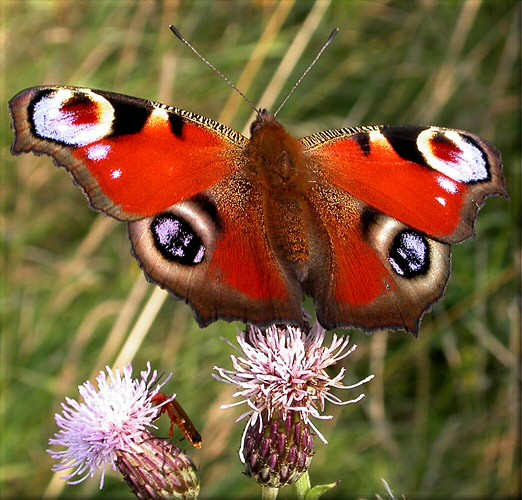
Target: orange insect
(179, 417)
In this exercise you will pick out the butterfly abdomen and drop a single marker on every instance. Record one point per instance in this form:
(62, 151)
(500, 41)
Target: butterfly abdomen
(286, 226)
(278, 166)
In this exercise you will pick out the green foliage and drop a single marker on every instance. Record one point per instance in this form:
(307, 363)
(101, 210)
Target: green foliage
(440, 418)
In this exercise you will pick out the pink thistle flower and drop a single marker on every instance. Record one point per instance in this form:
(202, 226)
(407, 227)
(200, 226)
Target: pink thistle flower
(282, 370)
(112, 419)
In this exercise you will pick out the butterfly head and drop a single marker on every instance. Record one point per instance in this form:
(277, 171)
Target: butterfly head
(264, 119)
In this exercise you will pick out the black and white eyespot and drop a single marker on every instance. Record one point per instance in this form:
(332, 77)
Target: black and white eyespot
(177, 240)
(72, 117)
(181, 238)
(454, 155)
(409, 254)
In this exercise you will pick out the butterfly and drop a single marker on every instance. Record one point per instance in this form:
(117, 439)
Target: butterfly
(360, 219)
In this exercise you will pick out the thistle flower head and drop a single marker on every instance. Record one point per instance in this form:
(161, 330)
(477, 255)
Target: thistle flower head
(283, 369)
(112, 418)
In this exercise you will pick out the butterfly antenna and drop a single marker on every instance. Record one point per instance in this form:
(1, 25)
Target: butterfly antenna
(189, 45)
(328, 42)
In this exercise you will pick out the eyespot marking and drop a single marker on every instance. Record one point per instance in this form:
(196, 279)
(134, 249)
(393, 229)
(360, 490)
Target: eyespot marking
(409, 255)
(177, 240)
(71, 117)
(455, 155)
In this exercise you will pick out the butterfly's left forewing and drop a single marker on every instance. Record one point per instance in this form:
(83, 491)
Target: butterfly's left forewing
(132, 158)
(390, 201)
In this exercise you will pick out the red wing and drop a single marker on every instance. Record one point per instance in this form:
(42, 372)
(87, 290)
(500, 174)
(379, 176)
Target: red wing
(213, 252)
(133, 158)
(431, 179)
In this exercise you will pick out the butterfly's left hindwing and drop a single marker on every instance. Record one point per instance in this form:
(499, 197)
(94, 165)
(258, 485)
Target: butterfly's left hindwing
(213, 252)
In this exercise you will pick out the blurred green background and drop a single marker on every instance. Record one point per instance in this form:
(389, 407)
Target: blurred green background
(441, 418)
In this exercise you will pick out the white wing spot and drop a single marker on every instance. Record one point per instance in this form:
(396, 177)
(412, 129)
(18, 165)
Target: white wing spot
(98, 152)
(447, 184)
(160, 113)
(378, 137)
(116, 173)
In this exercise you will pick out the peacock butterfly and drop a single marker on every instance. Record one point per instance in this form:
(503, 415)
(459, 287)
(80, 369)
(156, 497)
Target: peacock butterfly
(360, 219)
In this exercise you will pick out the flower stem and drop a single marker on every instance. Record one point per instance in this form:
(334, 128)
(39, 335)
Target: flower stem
(302, 485)
(269, 493)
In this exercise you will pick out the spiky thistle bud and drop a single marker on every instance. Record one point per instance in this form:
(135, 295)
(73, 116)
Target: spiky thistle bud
(157, 469)
(280, 451)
